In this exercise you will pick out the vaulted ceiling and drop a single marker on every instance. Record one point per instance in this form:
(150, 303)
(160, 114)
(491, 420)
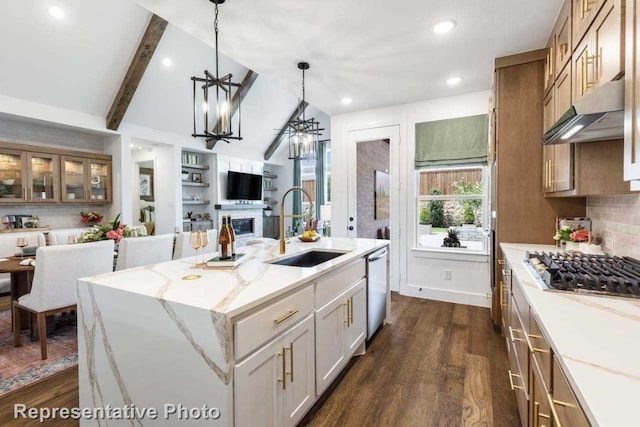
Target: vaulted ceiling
(378, 53)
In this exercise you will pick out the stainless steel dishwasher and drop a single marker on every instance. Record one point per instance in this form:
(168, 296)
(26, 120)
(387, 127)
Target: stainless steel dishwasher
(377, 288)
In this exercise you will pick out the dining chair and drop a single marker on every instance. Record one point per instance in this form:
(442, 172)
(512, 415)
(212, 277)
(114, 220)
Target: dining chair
(183, 247)
(61, 236)
(138, 251)
(8, 248)
(55, 278)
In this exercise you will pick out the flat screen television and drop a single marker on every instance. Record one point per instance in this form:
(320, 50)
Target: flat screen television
(244, 186)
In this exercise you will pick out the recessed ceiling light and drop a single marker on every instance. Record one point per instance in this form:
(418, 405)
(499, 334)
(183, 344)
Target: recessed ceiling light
(346, 101)
(444, 26)
(167, 62)
(452, 81)
(56, 12)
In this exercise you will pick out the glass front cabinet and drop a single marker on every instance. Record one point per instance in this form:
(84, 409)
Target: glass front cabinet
(85, 180)
(36, 177)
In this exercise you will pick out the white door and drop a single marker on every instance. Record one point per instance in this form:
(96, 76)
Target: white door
(300, 390)
(357, 329)
(258, 387)
(391, 133)
(330, 341)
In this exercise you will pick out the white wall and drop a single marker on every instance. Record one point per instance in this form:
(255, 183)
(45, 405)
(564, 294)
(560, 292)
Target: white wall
(420, 272)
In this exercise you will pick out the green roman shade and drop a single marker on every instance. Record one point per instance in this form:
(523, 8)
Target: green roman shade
(452, 141)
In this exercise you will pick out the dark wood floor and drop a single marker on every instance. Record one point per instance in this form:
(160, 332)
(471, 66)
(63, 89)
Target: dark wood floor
(436, 364)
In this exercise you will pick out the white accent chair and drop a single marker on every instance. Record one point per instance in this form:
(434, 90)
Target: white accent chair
(8, 248)
(61, 236)
(138, 251)
(183, 247)
(55, 279)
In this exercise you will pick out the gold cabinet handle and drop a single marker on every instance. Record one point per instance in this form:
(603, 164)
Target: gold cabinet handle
(563, 404)
(513, 386)
(535, 349)
(291, 361)
(503, 301)
(514, 339)
(501, 261)
(551, 61)
(351, 311)
(554, 413)
(286, 316)
(537, 414)
(284, 370)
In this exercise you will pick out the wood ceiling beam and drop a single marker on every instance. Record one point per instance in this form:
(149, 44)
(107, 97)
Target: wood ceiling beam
(278, 139)
(136, 70)
(236, 99)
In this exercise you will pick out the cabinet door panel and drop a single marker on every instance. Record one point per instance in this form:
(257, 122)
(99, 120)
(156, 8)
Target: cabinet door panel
(100, 181)
(608, 42)
(301, 385)
(562, 37)
(330, 341)
(43, 177)
(566, 406)
(540, 409)
(257, 391)
(13, 176)
(74, 179)
(356, 331)
(549, 115)
(583, 69)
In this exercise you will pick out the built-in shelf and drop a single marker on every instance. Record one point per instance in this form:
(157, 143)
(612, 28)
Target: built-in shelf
(194, 184)
(240, 206)
(195, 202)
(193, 166)
(268, 175)
(270, 189)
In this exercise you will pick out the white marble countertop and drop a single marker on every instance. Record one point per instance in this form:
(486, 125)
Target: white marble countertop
(597, 339)
(227, 291)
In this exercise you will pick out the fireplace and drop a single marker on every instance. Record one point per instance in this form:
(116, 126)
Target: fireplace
(243, 226)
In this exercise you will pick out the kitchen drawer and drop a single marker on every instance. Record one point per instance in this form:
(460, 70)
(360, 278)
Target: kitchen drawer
(266, 323)
(516, 379)
(330, 286)
(521, 304)
(564, 404)
(540, 350)
(517, 337)
(540, 409)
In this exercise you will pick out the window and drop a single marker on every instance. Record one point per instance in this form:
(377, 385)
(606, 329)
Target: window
(451, 208)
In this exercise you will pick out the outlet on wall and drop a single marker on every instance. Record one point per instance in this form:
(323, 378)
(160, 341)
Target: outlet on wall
(447, 275)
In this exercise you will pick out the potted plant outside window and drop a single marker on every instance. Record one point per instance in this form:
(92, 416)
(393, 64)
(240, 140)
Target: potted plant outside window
(424, 227)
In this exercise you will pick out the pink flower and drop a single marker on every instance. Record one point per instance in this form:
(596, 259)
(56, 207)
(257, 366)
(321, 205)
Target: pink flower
(581, 235)
(115, 234)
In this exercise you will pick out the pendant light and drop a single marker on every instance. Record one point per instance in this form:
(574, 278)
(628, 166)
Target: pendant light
(303, 133)
(213, 102)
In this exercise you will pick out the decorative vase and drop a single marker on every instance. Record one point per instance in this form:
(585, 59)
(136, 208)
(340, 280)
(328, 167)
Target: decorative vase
(572, 246)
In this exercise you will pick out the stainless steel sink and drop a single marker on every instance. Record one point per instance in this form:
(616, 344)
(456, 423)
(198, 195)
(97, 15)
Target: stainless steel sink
(308, 259)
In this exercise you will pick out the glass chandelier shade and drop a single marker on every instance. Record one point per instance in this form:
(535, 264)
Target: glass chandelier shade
(213, 100)
(303, 133)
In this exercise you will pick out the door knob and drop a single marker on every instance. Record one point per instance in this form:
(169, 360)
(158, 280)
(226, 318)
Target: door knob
(351, 228)
(351, 218)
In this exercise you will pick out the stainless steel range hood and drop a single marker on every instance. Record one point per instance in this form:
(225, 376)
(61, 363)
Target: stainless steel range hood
(598, 116)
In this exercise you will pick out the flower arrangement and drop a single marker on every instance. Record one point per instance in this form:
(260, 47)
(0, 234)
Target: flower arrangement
(113, 230)
(91, 217)
(569, 234)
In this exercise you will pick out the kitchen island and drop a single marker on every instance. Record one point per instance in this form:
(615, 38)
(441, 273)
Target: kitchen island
(592, 341)
(220, 349)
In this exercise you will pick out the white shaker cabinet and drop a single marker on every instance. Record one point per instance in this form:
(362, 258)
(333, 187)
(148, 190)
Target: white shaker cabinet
(275, 386)
(340, 330)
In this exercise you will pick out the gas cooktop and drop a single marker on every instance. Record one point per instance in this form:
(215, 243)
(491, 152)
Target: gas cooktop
(591, 274)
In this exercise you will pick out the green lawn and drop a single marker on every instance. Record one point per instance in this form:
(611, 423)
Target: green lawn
(439, 230)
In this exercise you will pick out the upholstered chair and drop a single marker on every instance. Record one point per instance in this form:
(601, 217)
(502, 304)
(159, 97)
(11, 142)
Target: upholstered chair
(8, 248)
(183, 247)
(55, 281)
(138, 251)
(61, 236)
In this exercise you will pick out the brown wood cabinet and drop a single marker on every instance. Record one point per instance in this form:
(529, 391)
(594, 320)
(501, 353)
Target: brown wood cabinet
(562, 38)
(563, 402)
(523, 214)
(30, 174)
(583, 14)
(632, 93)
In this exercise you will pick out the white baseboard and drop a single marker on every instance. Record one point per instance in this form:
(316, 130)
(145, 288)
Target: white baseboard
(446, 295)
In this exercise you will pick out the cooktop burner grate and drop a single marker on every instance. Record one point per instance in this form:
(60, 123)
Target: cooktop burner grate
(600, 274)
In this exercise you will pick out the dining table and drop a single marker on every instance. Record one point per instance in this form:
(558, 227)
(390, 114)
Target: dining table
(21, 279)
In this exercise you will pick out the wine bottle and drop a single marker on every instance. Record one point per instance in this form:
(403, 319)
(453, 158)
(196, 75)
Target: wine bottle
(224, 240)
(232, 234)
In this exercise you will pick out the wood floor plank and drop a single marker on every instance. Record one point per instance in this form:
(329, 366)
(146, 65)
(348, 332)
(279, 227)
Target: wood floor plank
(477, 403)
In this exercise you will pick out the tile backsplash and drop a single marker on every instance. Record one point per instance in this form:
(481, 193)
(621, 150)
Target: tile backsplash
(616, 223)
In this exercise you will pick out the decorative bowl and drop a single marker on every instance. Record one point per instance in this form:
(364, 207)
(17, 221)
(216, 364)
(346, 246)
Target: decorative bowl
(310, 239)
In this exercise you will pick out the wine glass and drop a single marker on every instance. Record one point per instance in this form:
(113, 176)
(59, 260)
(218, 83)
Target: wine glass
(6, 222)
(204, 240)
(196, 243)
(72, 240)
(21, 242)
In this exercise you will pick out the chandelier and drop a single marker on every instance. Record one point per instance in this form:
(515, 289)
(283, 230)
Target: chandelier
(214, 100)
(303, 133)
